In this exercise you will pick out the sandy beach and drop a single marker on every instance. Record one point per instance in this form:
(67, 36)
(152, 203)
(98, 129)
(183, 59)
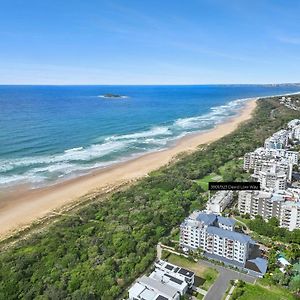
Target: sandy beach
(20, 208)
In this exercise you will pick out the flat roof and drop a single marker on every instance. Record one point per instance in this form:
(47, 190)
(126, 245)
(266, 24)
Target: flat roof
(160, 297)
(160, 287)
(176, 280)
(177, 269)
(186, 272)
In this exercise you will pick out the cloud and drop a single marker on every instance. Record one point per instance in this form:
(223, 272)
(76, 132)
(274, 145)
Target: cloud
(289, 40)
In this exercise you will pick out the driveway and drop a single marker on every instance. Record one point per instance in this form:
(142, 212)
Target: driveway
(218, 289)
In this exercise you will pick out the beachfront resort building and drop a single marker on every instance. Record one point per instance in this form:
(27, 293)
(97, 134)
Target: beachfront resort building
(216, 237)
(272, 180)
(294, 127)
(290, 215)
(284, 205)
(214, 234)
(166, 282)
(272, 166)
(279, 140)
(219, 201)
(262, 157)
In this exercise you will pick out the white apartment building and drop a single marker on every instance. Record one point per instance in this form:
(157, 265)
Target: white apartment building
(284, 205)
(293, 124)
(294, 127)
(272, 180)
(219, 201)
(253, 160)
(279, 140)
(215, 235)
(290, 215)
(253, 203)
(296, 133)
(274, 166)
(166, 282)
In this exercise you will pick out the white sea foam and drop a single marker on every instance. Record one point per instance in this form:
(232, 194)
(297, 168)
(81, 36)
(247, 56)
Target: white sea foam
(81, 159)
(73, 149)
(217, 115)
(155, 131)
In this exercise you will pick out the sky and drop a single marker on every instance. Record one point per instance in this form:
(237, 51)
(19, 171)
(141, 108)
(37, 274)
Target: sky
(149, 41)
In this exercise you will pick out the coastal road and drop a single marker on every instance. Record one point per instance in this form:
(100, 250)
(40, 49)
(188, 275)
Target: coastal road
(218, 289)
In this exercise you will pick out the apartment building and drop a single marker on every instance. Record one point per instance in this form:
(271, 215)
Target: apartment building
(253, 160)
(274, 166)
(284, 205)
(296, 133)
(294, 127)
(272, 180)
(290, 215)
(279, 140)
(219, 201)
(215, 235)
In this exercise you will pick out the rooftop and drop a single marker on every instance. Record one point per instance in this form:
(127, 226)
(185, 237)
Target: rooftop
(236, 236)
(261, 265)
(164, 289)
(175, 269)
(207, 219)
(219, 196)
(226, 221)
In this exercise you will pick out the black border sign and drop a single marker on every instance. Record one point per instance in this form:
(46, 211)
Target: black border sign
(234, 186)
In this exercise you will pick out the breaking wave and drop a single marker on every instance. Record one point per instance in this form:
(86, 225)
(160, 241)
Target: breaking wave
(40, 169)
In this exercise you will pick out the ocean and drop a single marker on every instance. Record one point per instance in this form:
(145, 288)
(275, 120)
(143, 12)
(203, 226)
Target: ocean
(52, 133)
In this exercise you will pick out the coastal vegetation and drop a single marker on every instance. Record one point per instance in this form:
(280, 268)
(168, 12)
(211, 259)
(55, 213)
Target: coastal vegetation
(260, 291)
(98, 251)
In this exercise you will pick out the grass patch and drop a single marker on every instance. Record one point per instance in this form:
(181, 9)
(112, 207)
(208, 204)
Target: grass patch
(259, 292)
(203, 182)
(209, 275)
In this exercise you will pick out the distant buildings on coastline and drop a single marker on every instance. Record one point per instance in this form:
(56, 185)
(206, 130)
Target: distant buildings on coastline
(289, 103)
(166, 282)
(272, 166)
(216, 237)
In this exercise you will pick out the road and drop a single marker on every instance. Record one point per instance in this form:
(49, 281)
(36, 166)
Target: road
(218, 289)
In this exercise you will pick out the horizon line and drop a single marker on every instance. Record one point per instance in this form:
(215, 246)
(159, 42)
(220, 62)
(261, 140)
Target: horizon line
(139, 84)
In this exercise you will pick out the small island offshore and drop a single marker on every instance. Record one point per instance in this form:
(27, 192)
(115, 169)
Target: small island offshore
(113, 96)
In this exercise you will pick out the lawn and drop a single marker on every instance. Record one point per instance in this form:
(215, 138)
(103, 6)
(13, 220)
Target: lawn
(259, 292)
(208, 275)
(213, 177)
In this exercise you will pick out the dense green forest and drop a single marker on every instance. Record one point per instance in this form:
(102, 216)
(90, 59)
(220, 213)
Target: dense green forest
(100, 250)
(272, 229)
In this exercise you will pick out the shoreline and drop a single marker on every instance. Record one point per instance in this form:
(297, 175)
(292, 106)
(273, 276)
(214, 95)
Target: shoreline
(20, 208)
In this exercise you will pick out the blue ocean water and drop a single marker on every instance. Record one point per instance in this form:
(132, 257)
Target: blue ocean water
(49, 133)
